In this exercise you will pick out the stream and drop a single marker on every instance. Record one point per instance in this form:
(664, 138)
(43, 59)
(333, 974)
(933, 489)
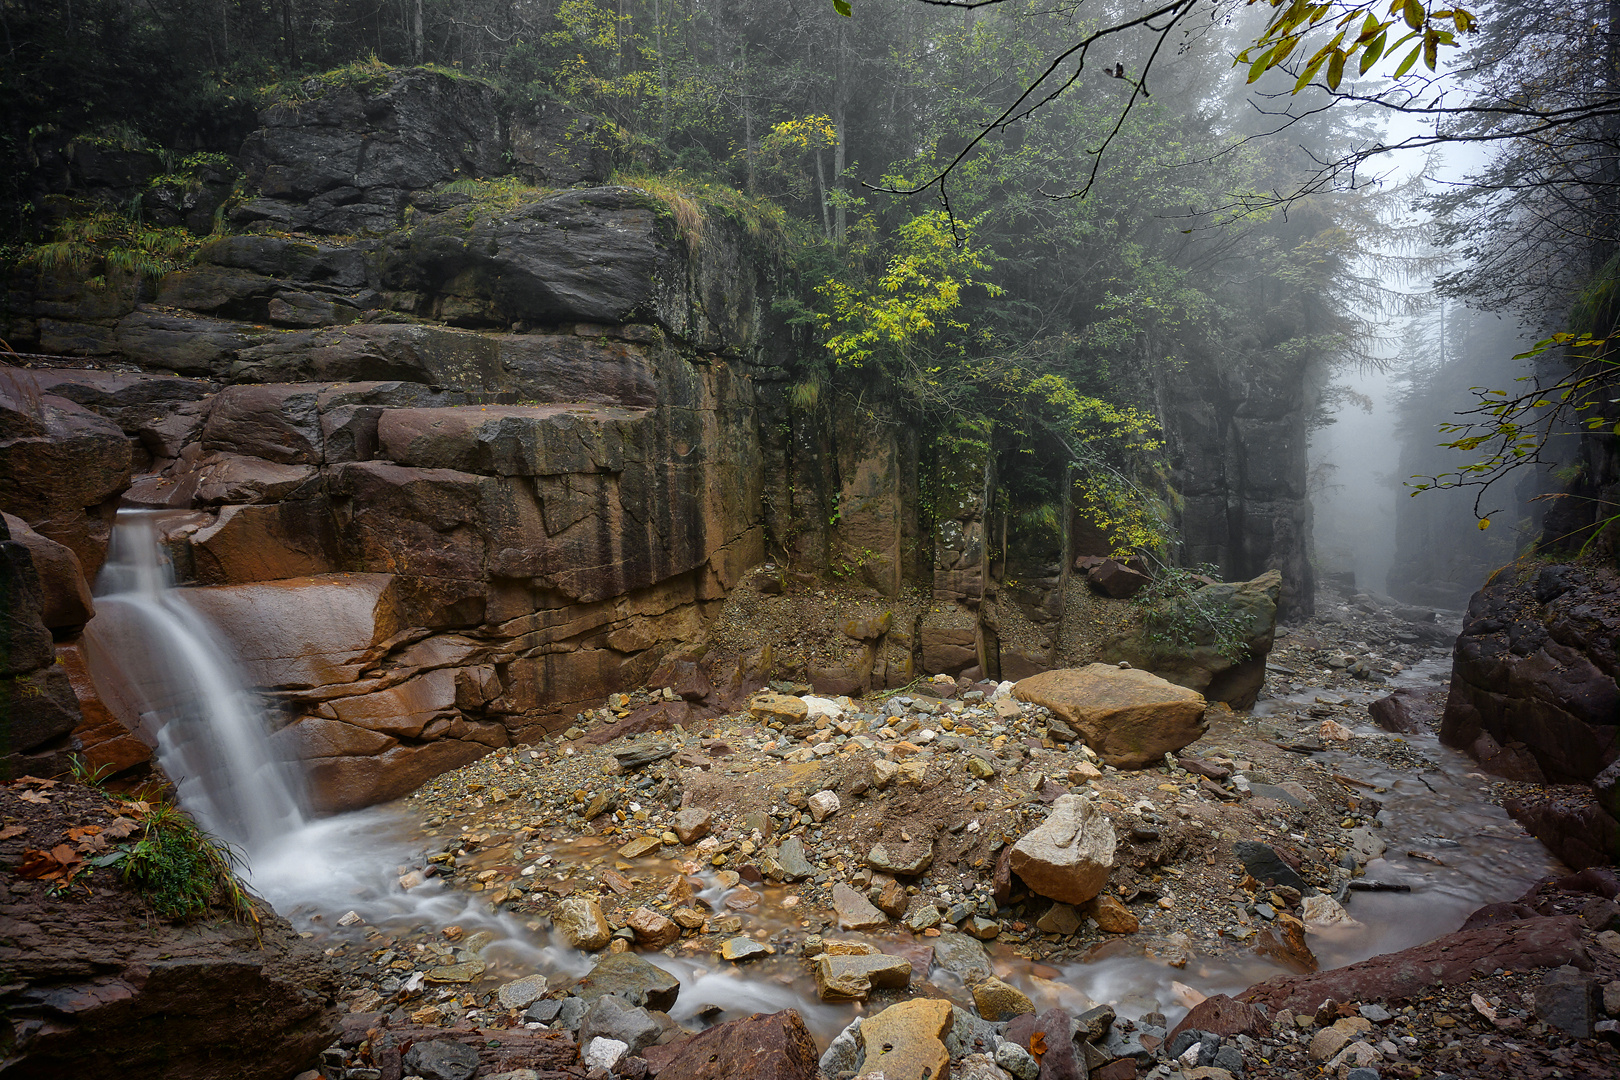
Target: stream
(338, 879)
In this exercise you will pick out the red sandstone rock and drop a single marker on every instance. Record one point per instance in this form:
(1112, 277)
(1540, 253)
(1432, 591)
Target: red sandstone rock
(1225, 1016)
(774, 1046)
(1451, 959)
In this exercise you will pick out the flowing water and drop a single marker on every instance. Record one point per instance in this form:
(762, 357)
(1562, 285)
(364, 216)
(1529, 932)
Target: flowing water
(171, 669)
(213, 742)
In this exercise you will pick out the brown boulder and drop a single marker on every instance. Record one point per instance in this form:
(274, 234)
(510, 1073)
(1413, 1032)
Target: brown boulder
(1130, 717)
(65, 592)
(61, 468)
(1535, 670)
(773, 1046)
(1115, 579)
(265, 543)
(1225, 1016)
(275, 422)
(1449, 960)
(1405, 710)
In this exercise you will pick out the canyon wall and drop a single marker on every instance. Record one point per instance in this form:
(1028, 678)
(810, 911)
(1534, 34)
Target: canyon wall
(449, 462)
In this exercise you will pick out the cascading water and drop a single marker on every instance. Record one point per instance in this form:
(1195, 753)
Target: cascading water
(166, 660)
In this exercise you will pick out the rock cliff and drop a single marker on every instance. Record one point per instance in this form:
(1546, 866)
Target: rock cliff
(448, 462)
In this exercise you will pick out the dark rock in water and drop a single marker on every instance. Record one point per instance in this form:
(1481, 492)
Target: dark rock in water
(441, 1059)
(1265, 865)
(1450, 960)
(1224, 1016)
(633, 979)
(1405, 710)
(1062, 1058)
(1491, 914)
(774, 1046)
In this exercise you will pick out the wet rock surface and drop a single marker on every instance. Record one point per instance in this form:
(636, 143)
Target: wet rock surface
(1234, 853)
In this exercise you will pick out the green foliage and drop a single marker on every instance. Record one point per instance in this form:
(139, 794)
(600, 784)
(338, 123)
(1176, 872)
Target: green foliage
(1175, 614)
(1363, 36)
(369, 76)
(691, 199)
(179, 870)
(104, 242)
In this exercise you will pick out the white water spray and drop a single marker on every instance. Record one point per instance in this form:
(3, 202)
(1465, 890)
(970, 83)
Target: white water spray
(211, 735)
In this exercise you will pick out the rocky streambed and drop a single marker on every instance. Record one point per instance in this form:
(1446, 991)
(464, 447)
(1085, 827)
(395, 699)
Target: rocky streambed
(1282, 896)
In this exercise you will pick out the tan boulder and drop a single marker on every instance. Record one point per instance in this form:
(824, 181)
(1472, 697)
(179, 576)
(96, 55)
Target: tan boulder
(1130, 717)
(907, 1041)
(784, 707)
(652, 930)
(581, 921)
(1112, 917)
(1069, 855)
(996, 1001)
(852, 978)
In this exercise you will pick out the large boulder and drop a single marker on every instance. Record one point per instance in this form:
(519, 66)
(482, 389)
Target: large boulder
(1069, 856)
(598, 255)
(1200, 664)
(347, 160)
(37, 708)
(1130, 717)
(61, 469)
(65, 594)
(1535, 670)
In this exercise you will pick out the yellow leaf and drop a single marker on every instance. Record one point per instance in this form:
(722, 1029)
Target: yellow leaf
(1484, 523)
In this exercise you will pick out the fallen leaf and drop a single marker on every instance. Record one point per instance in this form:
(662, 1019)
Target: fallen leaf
(32, 796)
(65, 855)
(12, 830)
(37, 864)
(35, 781)
(1037, 1044)
(120, 828)
(79, 832)
(92, 844)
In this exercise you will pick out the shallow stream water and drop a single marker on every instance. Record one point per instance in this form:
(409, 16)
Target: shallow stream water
(338, 879)
(352, 863)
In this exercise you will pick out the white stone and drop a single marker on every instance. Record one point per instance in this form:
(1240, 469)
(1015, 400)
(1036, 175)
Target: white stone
(820, 706)
(823, 804)
(604, 1053)
(1322, 910)
(1069, 856)
(350, 918)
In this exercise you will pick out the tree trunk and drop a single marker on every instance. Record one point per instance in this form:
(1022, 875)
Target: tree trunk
(821, 189)
(416, 33)
(840, 97)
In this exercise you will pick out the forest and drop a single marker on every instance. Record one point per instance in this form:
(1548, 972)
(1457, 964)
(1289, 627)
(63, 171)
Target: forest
(1015, 222)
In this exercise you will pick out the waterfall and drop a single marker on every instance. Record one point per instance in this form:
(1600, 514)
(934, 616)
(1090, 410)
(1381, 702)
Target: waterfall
(171, 667)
